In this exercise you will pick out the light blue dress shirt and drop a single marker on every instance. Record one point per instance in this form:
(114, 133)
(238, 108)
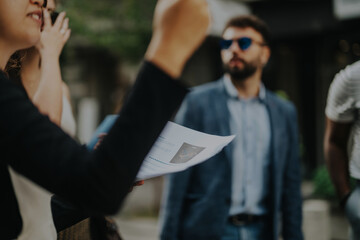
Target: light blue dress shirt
(250, 122)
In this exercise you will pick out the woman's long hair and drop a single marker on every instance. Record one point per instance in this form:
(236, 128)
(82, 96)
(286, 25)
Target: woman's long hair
(13, 67)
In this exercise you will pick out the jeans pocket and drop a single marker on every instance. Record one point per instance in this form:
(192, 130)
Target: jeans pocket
(352, 210)
(348, 206)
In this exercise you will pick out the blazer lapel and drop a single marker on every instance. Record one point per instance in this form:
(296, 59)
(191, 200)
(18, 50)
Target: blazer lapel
(278, 126)
(222, 115)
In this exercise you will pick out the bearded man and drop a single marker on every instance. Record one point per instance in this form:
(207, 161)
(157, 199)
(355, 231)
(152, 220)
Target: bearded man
(251, 189)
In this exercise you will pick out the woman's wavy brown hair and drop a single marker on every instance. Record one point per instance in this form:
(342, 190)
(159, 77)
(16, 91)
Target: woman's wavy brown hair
(13, 66)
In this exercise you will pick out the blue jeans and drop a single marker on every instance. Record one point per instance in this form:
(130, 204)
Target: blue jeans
(352, 211)
(251, 231)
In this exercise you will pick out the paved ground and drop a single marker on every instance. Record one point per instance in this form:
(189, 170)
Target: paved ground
(339, 227)
(147, 228)
(138, 228)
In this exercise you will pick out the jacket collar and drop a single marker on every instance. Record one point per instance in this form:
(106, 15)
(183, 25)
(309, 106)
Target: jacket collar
(232, 92)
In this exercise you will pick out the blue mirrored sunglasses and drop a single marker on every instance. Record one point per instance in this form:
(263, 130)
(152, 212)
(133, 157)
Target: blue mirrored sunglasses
(243, 43)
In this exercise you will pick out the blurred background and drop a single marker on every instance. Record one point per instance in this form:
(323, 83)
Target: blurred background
(312, 40)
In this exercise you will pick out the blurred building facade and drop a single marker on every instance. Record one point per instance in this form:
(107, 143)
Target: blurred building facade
(312, 40)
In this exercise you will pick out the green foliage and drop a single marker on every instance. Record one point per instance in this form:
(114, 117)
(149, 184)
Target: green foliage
(323, 186)
(124, 27)
(282, 94)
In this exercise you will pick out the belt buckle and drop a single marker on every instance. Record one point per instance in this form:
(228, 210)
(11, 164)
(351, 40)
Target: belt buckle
(236, 221)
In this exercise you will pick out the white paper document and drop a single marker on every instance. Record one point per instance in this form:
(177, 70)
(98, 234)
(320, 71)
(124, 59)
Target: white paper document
(178, 148)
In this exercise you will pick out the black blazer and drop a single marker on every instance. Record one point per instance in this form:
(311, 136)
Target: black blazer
(97, 181)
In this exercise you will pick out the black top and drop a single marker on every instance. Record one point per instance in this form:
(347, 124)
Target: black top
(96, 181)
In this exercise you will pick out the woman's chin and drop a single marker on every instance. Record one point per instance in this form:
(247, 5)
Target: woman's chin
(30, 41)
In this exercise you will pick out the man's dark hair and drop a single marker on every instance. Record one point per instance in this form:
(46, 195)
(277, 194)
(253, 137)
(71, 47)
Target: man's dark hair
(253, 22)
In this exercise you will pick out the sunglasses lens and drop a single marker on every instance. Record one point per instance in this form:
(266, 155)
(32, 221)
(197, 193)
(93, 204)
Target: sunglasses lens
(244, 43)
(225, 44)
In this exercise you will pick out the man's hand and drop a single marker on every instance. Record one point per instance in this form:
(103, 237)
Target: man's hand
(101, 138)
(179, 27)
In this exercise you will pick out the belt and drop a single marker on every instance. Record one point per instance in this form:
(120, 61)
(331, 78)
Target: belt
(241, 219)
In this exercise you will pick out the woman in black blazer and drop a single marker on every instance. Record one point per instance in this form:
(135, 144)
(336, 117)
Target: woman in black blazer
(36, 148)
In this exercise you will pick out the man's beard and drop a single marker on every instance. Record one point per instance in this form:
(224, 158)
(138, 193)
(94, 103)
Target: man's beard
(240, 74)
